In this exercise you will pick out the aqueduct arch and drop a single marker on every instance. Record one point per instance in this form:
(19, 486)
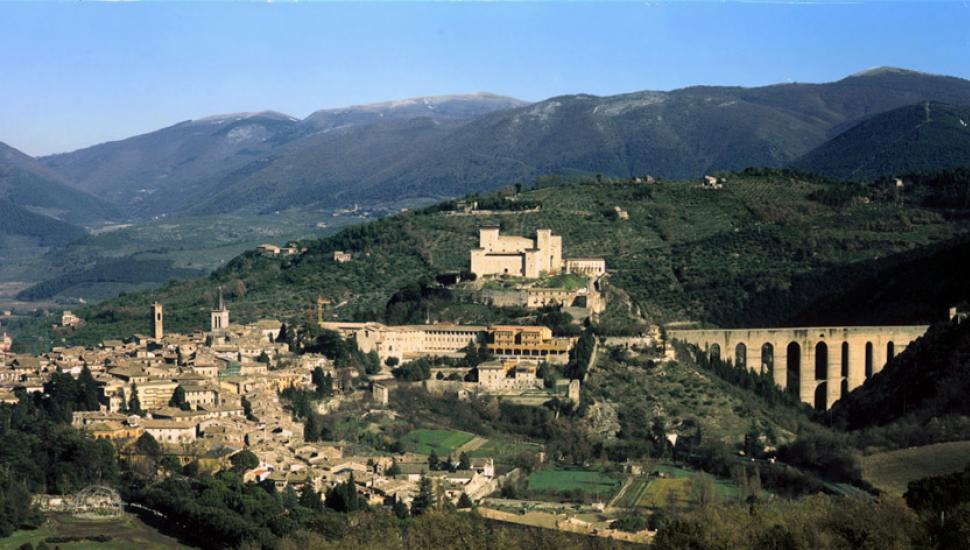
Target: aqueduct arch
(815, 362)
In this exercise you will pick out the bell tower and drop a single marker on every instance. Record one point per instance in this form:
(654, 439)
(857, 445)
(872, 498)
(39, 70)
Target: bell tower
(220, 316)
(158, 320)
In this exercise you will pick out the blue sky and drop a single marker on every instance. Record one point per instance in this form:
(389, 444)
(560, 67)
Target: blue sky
(76, 74)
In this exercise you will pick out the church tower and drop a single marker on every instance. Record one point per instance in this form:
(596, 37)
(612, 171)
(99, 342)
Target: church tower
(158, 320)
(220, 316)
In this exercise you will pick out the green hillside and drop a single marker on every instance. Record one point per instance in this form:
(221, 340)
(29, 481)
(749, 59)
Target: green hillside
(895, 290)
(917, 138)
(26, 182)
(755, 252)
(921, 389)
(15, 220)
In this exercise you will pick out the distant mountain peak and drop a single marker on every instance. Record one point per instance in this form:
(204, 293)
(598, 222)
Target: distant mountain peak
(876, 71)
(432, 100)
(443, 107)
(232, 117)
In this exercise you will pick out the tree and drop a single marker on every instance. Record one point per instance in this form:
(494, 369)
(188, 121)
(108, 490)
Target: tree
(310, 498)
(392, 362)
(463, 462)
(16, 510)
(343, 497)
(148, 446)
(372, 363)
(323, 382)
(393, 470)
(425, 497)
(263, 358)
(134, 405)
(243, 461)
(331, 344)
(433, 460)
(464, 501)
(88, 391)
(311, 428)
(703, 491)
(171, 463)
(401, 510)
(178, 399)
(290, 498)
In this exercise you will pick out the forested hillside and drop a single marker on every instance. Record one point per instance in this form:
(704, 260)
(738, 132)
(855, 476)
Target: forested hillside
(27, 183)
(15, 220)
(761, 250)
(924, 388)
(920, 137)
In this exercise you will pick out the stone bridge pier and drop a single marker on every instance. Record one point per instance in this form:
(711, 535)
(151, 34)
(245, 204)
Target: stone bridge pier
(819, 364)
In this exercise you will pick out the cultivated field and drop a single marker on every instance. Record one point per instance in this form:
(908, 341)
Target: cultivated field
(562, 481)
(891, 471)
(443, 442)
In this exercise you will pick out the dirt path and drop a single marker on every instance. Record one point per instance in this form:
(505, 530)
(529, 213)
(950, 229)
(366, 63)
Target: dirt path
(472, 445)
(619, 494)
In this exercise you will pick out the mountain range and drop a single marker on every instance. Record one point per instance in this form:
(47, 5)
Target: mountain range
(430, 148)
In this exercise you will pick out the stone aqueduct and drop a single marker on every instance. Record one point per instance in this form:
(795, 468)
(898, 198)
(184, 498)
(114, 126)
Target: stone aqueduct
(821, 364)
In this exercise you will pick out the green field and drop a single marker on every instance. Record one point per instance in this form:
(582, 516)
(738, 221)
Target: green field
(126, 532)
(891, 471)
(443, 442)
(634, 493)
(504, 450)
(566, 281)
(561, 481)
(676, 488)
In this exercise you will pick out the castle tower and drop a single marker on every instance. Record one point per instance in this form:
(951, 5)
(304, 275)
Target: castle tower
(220, 316)
(158, 320)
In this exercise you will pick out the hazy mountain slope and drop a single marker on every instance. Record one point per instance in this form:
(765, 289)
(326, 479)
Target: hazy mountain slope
(15, 220)
(678, 134)
(921, 137)
(328, 168)
(176, 168)
(449, 146)
(449, 107)
(160, 171)
(29, 184)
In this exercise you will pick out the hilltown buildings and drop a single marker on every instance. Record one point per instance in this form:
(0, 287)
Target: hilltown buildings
(528, 342)
(508, 375)
(207, 395)
(408, 342)
(68, 319)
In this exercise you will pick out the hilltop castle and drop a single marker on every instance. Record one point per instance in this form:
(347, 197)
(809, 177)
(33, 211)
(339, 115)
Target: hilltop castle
(527, 257)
